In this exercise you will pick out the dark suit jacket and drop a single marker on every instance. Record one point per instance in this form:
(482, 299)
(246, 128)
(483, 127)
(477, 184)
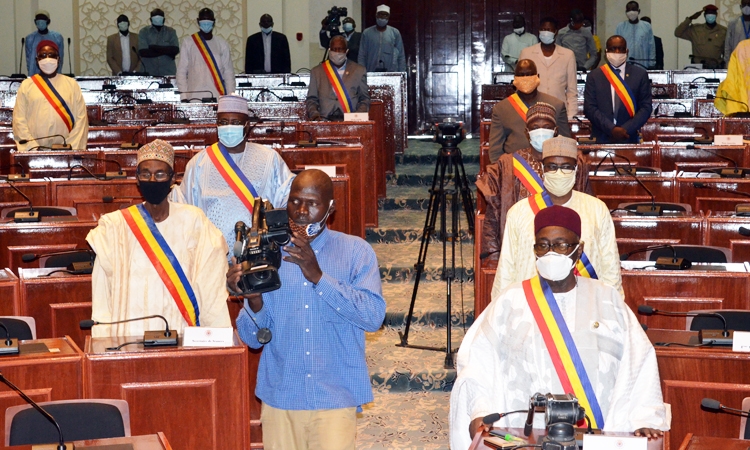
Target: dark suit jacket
(597, 104)
(114, 53)
(281, 61)
(322, 100)
(659, 54)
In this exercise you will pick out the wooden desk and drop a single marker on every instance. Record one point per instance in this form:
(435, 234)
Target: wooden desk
(635, 232)
(87, 196)
(670, 129)
(713, 443)
(722, 230)
(9, 296)
(678, 157)
(643, 155)
(36, 189)
(690, 374)
(707, 199)
(616, 189)
(197, 396)
(44, 376)
(149, 442)
(58, 302)
(56, 164)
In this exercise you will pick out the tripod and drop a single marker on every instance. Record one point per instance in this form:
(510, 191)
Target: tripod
(449, 166)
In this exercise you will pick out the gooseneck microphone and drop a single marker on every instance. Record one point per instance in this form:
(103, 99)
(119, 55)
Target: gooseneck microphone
(716, 406)
(70, 60)
(110, 199)
(150, 338)
(662, 263)
(8, 346)
(132, 145)
(24, 216)
(737, 172)
(63, 146)
(20, 61)
(494, 417)
(209, 99)
(715, 337)
(48, 416)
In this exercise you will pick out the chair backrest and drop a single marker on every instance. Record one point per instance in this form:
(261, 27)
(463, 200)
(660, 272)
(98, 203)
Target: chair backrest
(737, 319)
(678, 207)
(83, 255)
(694, 253)
(22, 328)
(744, 423)
(44, 211)
(78, 419)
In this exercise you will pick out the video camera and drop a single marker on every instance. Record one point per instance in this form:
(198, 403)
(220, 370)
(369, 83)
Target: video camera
(449, 133)
(562, 413)
(258, 248)
(333, 19)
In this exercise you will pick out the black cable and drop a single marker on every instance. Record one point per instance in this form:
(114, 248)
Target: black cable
(679, 344)
(58, 271)
(111, 349)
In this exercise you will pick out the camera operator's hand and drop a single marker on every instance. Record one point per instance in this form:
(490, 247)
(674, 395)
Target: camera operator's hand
(304, 256)
(650, 433)
(233, 278)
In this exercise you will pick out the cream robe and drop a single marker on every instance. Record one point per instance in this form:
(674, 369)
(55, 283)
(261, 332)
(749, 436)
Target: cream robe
(33, 116)
(503, 361)
(125, 284)
(517, 258)
(193, 73)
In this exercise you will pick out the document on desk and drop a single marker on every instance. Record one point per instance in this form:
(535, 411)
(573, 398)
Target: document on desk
(602, 442)
(697, 267)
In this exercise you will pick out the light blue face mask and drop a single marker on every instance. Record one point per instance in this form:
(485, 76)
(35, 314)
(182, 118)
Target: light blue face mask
(123, 26)
(206, 25)
(710, 18)
(157, 21)
(348, 27)
(41, 25)
(382, 22)
(231, 135)
(266, 30)
(538, 136)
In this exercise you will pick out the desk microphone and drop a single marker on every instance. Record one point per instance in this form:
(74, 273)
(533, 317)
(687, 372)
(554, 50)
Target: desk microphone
(111, 199)
(85, 169)
(48, 416)
(716, 406)
(132, 145)
(70, 61)
(107, 175)
(642, 210)
(209, 99)
(494, 417)
(150, 338)
(715, 337)
(63, 146)
(8, 346)
(738, 114)
(664, 262)
(75, 267)
(23, 176)
(744, 231)
(737, 172)
(311, 143)
(24, 216)
(20, 62)
(741, 209)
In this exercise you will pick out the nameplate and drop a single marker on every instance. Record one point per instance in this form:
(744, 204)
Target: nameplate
(741, 341)
(728, 139)
(208, 337)
(356, 117)
(329, 170)
(601, 442)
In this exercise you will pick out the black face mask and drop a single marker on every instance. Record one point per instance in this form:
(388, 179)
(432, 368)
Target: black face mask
(155, 192)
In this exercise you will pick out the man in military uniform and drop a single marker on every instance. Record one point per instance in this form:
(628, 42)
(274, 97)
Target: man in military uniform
(707, 38)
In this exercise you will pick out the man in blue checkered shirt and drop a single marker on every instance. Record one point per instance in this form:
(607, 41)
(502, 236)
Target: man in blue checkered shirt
(313, 376)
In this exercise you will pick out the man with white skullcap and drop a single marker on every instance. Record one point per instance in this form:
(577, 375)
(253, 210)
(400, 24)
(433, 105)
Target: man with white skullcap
(224, 179)
(157, 257)
(42, 19)
(381, 48)
(600, 260)
(603, 358)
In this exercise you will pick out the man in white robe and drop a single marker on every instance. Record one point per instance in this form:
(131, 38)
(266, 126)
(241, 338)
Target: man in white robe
(203, 186)
(503, 359)
(35, 117)
(126, 285)
(517, 254)
(193, 73)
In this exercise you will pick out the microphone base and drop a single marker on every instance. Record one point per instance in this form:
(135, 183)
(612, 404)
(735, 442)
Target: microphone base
(26, 217)
(742, 209)
(715, 337)
(298, 84)
(312, 143)
(109, 87)
(130, 145)
(115, 175)
(159, 339)
(648, 210)
(18, 177)
(68, 446)
(586, 141)
(703, 141)
(61, 147)
(669, 263)
(11, 349)
(143, 101)
(244, 85)
(732, 173)
(18, 75)
(81, 268)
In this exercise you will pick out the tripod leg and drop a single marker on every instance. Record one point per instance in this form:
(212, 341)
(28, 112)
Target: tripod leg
(462, 183)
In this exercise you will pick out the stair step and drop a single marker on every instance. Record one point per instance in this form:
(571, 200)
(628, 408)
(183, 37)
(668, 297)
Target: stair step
(419, 175)
(430, 158)
(430, 304)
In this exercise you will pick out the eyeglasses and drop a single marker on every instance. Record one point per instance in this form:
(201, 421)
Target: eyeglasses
(542, 248)
(567, 169)
(160, 175)
(224, 122)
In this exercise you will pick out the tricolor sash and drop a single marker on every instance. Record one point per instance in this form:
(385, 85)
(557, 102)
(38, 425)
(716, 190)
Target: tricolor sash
(338, 87)
(165, 262)
(527, 175)
(583, 267)
(621, 89)
(55, 99)
(233, 175)
(208, 57)
(561, 347)
(519, 106)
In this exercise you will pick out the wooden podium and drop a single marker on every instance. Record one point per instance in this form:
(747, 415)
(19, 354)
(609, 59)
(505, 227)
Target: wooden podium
(199, 397)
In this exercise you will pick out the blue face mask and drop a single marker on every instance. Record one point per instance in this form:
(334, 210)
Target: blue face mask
(41, 25)
(266, 30)
(382, 22)
(123, 26)
(348, 27)
(206, 25)
(231, 135)
(157, 21)
(710, 18)
(538, 136)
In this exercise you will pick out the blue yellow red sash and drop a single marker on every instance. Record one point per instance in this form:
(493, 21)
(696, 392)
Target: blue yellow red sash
(233, 175)
(338, 86)
(527, 175)
(519, 106)
(54, 99)
(561, 347)
(583, 267)
(208, 57)
(621, 89)
(165, 262)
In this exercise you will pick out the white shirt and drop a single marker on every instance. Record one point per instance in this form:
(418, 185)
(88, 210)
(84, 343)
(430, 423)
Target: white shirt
(557, 74)
(622, 75)
(266, 51)
(125, 46)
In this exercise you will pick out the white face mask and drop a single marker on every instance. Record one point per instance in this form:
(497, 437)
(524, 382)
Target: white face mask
(547, 37)
(555, 267)
(632, 15)
(337, 58)
(559, 183)
(48, 65)
(538, 136)
(519, 31)
(617, 59)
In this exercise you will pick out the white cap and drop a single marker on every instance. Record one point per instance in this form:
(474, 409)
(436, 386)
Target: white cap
(383, 8)
(232, 104)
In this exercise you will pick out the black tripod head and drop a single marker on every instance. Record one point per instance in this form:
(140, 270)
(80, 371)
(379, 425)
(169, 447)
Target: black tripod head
(448, 133)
